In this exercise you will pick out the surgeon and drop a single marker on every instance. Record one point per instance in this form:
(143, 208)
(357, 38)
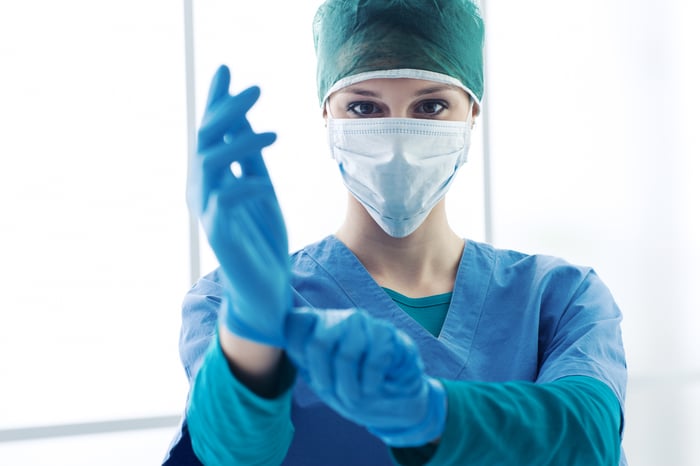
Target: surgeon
(393, 340)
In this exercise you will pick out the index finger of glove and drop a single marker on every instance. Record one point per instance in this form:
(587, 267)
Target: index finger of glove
(219, 85)
(352, 365)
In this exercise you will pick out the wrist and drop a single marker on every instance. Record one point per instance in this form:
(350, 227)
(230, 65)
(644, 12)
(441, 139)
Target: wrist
(255, 365)
(433, 425)
(429, 429)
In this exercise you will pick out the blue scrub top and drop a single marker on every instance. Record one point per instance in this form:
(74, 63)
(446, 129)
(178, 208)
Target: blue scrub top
(512, 316)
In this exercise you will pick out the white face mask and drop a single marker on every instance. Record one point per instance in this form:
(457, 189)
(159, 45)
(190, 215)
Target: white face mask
(398, 168)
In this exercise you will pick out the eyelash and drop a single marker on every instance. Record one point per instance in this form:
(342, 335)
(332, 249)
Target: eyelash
(354, 106)
(441, 103)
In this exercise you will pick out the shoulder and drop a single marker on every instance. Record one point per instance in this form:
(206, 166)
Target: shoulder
(578, 317)
(508, 265)
(550, 286)
(321, 259)
(319, 251)
(208, 285)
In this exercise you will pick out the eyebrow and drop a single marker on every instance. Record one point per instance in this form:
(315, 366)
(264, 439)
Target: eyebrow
(434, 89)
(359, 91)
(427, 90)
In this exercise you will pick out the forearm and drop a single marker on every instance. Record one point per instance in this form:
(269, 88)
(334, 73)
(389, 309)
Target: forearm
(573, 421)
(231, 424)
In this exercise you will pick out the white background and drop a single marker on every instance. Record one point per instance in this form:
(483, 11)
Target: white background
(591, 110)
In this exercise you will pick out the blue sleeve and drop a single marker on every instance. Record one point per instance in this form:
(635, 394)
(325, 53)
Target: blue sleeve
(229, 424)
(585, 338)
(233, 423)
(573, 412)
(572, 421)
(200, 317)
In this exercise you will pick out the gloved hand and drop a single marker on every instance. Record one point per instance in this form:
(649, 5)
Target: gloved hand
(240, 214)
(369, 372)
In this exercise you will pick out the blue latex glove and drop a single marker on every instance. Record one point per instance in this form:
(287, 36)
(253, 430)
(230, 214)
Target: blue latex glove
(240, 215)
(369, 372)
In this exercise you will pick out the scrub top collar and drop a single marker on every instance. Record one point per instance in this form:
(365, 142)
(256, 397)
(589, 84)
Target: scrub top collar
(446, 356)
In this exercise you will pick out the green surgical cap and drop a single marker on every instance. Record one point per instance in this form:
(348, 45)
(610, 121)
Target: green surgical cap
(436, 40)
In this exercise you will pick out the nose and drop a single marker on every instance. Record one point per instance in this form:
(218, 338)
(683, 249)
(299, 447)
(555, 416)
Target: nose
(398, 112)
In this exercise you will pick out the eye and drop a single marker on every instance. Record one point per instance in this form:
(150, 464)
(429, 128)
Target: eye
(431, 107)
(363, 108)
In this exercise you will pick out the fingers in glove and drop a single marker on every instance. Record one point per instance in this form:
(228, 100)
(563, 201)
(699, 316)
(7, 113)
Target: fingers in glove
(379, 357)
(226, 118)
(351, 363)
(322, 349)
(406, 368)
(241, 149)
(320, 353)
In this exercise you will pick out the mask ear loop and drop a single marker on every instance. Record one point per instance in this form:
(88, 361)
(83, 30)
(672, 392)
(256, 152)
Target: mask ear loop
(470, 115)
(327, 105)
(329, 116)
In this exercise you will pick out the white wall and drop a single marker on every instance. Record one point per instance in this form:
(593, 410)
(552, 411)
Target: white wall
(93, 231)
(595, 158)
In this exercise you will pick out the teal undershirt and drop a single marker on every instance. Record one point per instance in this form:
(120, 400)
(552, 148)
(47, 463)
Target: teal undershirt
(429, 312)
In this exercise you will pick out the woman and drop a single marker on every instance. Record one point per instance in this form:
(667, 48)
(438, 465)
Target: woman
(393, 340)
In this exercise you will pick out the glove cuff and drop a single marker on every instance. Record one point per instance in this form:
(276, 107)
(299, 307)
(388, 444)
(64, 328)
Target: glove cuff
(428, 429)
(229, 317)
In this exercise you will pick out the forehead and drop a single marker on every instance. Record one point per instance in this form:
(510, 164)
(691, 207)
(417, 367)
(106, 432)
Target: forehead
(400, 87)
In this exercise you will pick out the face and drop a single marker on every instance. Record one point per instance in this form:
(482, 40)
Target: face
(401, 98)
